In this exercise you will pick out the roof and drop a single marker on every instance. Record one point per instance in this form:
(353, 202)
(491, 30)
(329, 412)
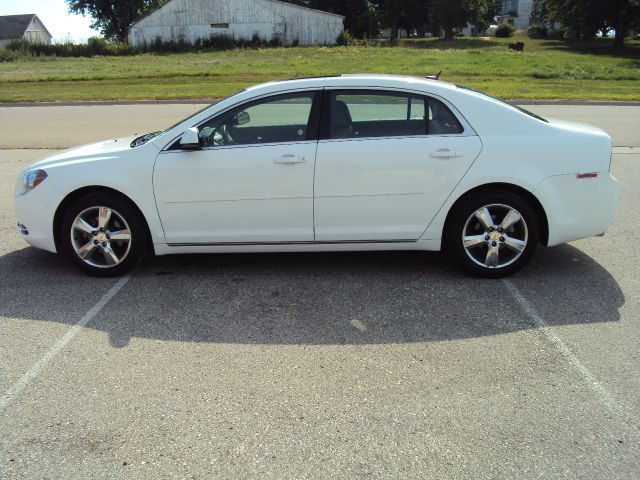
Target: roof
(14, 26)
(359, 80)
(307, 8)
(473, 107)
(293, 5)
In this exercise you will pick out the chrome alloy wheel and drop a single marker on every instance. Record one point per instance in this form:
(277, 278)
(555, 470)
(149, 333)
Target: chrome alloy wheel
(495, 236)
(101, 237)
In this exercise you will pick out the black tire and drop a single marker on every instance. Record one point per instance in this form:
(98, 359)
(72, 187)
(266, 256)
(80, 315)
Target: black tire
(463, 217)
(123, 214)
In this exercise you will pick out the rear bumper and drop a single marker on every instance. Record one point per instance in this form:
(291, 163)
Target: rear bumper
(578, 208)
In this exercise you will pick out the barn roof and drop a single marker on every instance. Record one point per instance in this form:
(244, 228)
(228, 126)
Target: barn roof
(272, 1)
(14, 26)
(306, 8)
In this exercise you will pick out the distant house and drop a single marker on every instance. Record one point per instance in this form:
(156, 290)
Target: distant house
(388, 33)
(516, 13)
(189, 20)
(23, 27)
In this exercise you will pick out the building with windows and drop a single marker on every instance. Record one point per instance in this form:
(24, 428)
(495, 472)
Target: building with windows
(189, 20)
(23, 27)
(517, 13)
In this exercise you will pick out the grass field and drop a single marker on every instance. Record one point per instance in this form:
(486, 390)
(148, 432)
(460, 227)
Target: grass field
(547, 69)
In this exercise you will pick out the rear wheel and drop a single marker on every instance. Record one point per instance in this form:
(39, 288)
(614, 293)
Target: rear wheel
(102, 234)
(493, 234)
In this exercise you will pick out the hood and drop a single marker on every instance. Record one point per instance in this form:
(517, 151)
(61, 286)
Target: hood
(92, 151)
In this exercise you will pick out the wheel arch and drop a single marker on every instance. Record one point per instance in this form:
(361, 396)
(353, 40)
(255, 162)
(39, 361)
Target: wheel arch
(74, 195)
(524, 193)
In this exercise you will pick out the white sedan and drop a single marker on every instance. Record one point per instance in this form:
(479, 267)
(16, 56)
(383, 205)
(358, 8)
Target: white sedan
(351, 162)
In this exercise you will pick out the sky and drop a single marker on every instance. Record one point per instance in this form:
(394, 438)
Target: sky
(55, 16)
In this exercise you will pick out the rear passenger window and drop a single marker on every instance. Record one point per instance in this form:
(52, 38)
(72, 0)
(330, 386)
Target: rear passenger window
(442, 121)
(365, 114)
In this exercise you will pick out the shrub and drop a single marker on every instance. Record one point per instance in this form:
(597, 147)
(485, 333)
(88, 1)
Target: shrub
(537, 31)
(344, 38)
(99, 46)
(275, 42)
(561, 32)
(94, 46)
(220, 42)
(505, 30)
(255, 39)
(7, 55)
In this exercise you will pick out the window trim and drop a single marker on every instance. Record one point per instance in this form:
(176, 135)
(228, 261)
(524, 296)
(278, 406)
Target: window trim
(468, 130)
(325, 122)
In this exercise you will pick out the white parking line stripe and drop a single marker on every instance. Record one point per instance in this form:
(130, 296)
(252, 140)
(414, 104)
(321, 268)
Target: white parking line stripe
(33, 372)
(557, 342)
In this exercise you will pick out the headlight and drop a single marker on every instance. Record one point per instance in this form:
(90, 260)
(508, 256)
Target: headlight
(31, 180)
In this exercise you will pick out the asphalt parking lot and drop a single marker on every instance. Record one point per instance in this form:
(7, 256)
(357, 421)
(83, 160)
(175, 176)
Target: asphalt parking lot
(317, 365)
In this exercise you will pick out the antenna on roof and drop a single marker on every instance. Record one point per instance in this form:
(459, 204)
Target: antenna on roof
(434, 77)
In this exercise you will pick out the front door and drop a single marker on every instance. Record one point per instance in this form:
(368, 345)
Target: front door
(390, 161)
(252, 180)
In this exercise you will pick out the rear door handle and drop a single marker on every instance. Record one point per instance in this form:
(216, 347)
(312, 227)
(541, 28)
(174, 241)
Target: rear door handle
(444, 153)
(289, 159)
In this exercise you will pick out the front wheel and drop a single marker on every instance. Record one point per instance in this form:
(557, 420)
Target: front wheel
(102, 234)
(493, 234)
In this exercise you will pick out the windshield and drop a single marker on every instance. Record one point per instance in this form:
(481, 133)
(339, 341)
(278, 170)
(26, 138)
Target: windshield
(201, 110)
(141, 140)
(527, 112)
(191, 116)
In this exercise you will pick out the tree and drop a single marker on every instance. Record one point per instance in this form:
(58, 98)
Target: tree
(452, 14)
(360, 18)
(407, 14)
(113, 17)
(359, 15)
(622, 15)
(584, 18)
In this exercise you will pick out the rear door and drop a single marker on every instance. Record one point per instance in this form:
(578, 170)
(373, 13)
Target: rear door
(385, 164)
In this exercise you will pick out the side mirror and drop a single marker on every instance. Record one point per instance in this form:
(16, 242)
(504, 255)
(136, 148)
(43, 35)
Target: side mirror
(190, 140)
(241, 118)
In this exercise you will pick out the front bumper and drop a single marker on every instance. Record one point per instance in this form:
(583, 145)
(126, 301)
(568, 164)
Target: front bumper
(35, 211)
(578, 207)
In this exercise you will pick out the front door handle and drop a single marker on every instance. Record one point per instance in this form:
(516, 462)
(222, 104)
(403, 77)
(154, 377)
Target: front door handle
(444, 153)
(289, 159)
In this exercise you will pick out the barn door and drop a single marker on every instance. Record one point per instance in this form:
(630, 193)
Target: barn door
(280, 31)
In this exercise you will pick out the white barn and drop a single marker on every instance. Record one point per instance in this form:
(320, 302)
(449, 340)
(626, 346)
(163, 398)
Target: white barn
(23, 27)
(189, 20)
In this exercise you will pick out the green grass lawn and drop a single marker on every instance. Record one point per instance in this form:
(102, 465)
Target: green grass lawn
(547, 69)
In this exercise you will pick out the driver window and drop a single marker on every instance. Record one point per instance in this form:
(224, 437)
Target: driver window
(284, 118)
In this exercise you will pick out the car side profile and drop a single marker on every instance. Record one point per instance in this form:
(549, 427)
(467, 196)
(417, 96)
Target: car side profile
(342, 163)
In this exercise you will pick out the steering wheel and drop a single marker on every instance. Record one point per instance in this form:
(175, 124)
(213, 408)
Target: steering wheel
(226, 136)
(216, 136)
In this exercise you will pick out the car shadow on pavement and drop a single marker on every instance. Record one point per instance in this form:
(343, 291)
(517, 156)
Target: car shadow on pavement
(327, 298)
